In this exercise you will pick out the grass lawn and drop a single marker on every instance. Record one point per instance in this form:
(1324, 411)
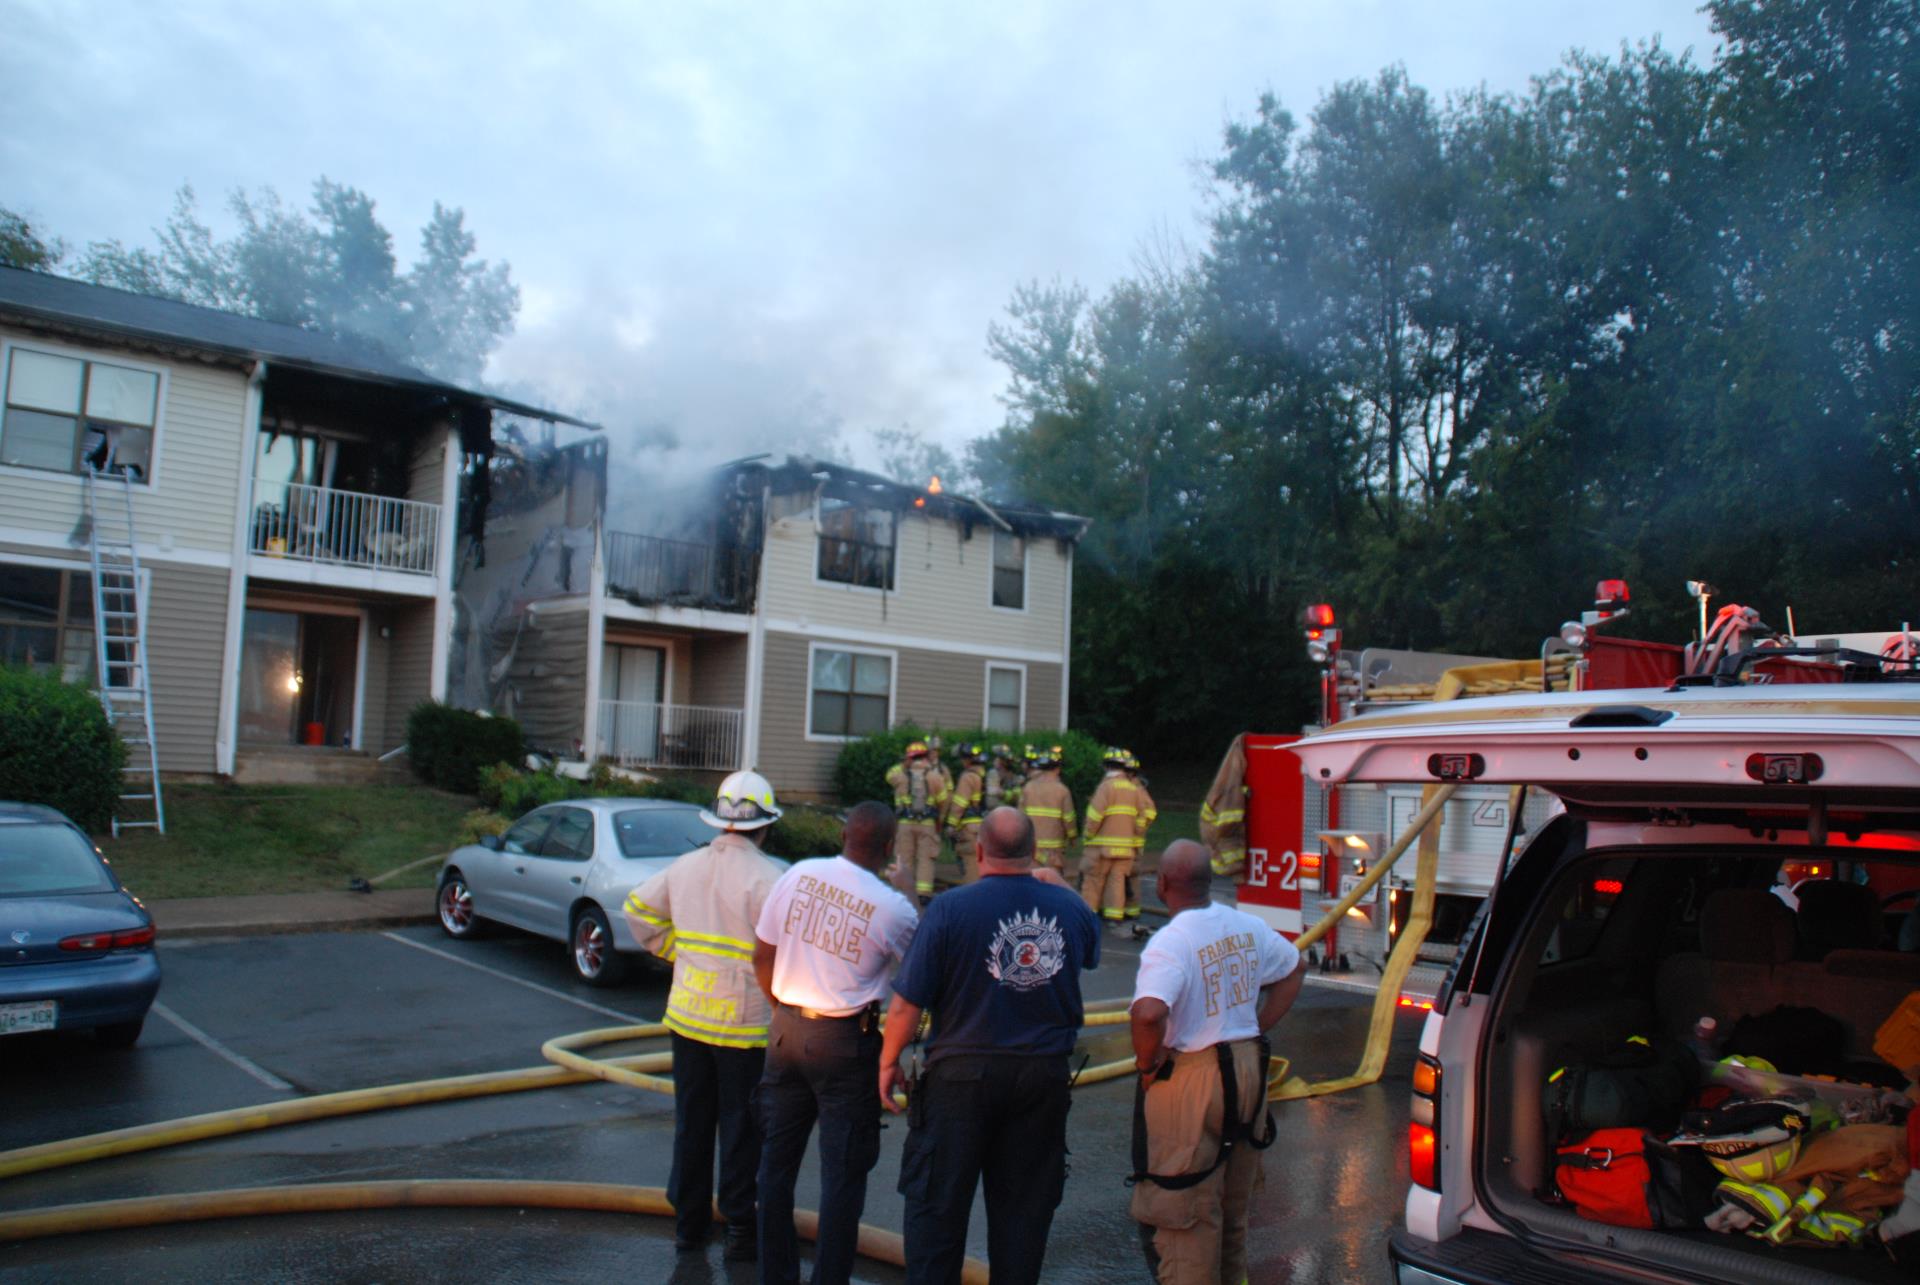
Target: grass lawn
(1174, 823)
(225, 840)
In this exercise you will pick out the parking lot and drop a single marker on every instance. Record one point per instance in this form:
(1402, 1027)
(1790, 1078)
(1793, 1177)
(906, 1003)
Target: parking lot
(264, 1019)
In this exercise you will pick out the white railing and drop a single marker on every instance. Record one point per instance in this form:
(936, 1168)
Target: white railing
(644, 734)
(347, 528)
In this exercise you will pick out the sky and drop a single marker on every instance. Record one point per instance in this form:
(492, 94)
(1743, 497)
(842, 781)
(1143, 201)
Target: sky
(735, 227)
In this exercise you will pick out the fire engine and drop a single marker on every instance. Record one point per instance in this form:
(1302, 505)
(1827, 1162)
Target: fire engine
(1309, 844)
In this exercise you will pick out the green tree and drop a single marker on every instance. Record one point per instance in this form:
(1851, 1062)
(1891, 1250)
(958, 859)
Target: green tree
(22, 245)
(332, 268)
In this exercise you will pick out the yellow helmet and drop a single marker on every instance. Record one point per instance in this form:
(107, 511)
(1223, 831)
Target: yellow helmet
(744, 801)
(916, 748)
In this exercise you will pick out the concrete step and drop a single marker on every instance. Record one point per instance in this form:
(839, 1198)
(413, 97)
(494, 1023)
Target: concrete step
(310, 765)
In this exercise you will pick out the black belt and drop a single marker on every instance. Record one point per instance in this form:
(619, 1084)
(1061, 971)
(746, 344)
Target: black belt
(868, 1017)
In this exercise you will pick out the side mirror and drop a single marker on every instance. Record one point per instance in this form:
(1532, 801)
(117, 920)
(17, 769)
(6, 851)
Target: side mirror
(491, 842)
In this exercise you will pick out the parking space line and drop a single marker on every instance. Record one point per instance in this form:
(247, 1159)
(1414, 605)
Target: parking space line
(207, 1041)
(575, 1000)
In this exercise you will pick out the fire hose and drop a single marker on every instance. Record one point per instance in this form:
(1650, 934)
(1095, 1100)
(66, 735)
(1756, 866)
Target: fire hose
(565, 1066)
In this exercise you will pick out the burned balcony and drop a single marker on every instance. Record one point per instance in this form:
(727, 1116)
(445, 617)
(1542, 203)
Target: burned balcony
(650, 570)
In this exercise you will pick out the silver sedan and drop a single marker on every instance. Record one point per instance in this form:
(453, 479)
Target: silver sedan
(563, 871)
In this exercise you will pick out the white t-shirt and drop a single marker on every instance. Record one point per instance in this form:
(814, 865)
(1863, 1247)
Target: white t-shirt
(1207, 966)
(840, 931)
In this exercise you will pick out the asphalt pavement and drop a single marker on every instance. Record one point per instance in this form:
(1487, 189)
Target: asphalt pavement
(263, 1018)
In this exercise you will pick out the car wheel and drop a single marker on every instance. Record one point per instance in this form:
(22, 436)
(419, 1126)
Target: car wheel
(455, 906)
(120, 1035)
(595, 961)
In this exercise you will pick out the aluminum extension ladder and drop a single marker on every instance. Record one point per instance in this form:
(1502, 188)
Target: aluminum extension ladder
(120, 651)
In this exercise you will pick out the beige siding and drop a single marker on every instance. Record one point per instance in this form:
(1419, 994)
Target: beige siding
(409, 666)
(941, 587)
(425, 478)
(186, 632)
(549, 679)
(378, 733)
(195, 493)
(719, 671)
(931, 688)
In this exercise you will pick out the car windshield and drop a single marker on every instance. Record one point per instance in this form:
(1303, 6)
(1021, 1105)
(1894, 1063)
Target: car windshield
(40, 860)
(660, 832)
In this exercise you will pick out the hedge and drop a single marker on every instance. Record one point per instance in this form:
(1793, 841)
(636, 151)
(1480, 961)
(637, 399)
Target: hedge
(449, 747)
(57, 748)
(511, 793)
(860, 771)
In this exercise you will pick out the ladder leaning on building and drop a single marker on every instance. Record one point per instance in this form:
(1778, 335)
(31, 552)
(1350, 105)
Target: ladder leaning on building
(120, 652)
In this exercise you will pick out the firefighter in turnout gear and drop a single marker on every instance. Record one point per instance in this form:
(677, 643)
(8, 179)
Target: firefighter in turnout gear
(1002, 784)
(920, 793)
(1113, 839)
(700, 913)
(1223, 816)
(1148, 815)
(1048, 803)
(965, 809)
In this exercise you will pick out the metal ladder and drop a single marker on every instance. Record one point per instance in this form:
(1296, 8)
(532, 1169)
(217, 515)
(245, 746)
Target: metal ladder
(120, 651)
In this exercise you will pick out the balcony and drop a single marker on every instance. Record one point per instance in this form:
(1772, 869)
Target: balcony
(684, 737)
(649, 569)
(345, 529)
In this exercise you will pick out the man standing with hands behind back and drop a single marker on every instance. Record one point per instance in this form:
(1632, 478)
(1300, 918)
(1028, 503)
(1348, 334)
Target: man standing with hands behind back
(829, 937)
(999, 963)
(1211, 983)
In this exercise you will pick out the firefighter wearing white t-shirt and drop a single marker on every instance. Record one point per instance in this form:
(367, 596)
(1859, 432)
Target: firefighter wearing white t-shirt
(1210, 984)
(829, 937)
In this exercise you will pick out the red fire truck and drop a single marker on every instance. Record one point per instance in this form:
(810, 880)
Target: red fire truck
(1308, 844)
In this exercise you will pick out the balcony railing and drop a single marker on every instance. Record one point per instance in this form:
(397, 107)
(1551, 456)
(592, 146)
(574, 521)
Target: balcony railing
(648, 568)
(345, 528)
(645, 734)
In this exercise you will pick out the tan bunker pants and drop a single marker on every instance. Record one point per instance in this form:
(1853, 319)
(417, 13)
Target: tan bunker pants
(1200, 1233)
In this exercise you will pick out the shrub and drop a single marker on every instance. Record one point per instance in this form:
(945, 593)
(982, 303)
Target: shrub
(803, 832)
(479, 822)
(57, 748)
(861, 770)
(450, 747)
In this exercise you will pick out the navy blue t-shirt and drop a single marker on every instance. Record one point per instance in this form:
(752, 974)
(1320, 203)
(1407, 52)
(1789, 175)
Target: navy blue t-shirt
(998, 964)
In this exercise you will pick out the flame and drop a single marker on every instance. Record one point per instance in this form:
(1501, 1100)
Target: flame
(934, 487)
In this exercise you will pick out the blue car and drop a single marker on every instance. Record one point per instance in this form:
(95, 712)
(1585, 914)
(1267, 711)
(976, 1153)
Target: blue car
(76, 950)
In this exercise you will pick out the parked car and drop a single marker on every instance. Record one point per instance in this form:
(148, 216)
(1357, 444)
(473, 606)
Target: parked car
(563, 871)
(1647, 906)
(76, 948)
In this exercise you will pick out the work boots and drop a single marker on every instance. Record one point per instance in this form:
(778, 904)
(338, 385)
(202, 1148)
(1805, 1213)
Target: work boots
(743, 1244)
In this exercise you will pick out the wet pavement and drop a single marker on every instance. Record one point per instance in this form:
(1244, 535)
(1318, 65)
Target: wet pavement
(265, 1019)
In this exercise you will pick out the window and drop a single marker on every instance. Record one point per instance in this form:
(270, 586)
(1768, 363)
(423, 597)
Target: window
(852, 692)
(856, 544)
(46, 621)
(1006, 694)
(1009, 571)
(525, 837)
(572, 835)
(660, 832)
(45, 860)
(68, 415)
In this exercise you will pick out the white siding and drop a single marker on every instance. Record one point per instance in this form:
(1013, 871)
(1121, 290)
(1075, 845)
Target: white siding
(940, 592)
(196, 486)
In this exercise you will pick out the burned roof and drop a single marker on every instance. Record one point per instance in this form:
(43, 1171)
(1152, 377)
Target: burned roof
(801, 472)
(88, 309)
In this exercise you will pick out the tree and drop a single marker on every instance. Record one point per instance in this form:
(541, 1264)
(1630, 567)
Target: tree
(23, 246)
(330, 268)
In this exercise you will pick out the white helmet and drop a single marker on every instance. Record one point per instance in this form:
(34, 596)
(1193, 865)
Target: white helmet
(743, 802)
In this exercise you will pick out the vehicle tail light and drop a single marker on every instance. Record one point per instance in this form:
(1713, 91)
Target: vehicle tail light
(1609, 887)
(126, 939)
(1423, 1131)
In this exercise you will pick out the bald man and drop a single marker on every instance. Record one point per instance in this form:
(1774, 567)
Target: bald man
(998, 962)
(1211, 983)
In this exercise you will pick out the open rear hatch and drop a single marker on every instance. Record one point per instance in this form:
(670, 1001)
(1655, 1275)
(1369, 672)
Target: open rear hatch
(1651, 905)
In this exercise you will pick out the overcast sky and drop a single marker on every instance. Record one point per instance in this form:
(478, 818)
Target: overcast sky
(734, 226)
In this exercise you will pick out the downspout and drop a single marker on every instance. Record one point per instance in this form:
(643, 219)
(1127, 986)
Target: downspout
(226, 735)
(443, 579)
(756, 654)
(1066, 638)
(596, 650)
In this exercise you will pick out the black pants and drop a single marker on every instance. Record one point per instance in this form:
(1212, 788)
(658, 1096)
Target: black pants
(1000, 1117)
(713, 1092)
(829, 1070)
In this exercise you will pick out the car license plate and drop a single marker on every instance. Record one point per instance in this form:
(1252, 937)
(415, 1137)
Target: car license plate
(19, 1019)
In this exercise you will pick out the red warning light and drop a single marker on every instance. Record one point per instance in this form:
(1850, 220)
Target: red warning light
(1320, 616)
(1611, 591)
(1608, 887)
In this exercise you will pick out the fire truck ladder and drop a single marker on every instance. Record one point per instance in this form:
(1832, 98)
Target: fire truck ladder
(120, 652)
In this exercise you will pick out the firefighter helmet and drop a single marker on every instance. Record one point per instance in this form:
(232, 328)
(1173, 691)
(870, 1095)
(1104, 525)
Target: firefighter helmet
(1115, 756)
(744, 801)
(1133, 761)
(1048, 756)
(916, 748)
(1003, 751)
(971, 751)
(1752, 1141)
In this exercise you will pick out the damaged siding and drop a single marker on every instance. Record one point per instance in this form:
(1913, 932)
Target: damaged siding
(548, 679)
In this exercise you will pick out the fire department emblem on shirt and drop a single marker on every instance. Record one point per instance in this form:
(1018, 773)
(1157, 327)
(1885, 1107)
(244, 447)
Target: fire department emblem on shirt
(1027, 951)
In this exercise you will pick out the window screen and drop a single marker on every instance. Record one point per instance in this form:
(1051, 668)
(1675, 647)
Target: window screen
(1009, 571)
(1004, 698)
(851, 693)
